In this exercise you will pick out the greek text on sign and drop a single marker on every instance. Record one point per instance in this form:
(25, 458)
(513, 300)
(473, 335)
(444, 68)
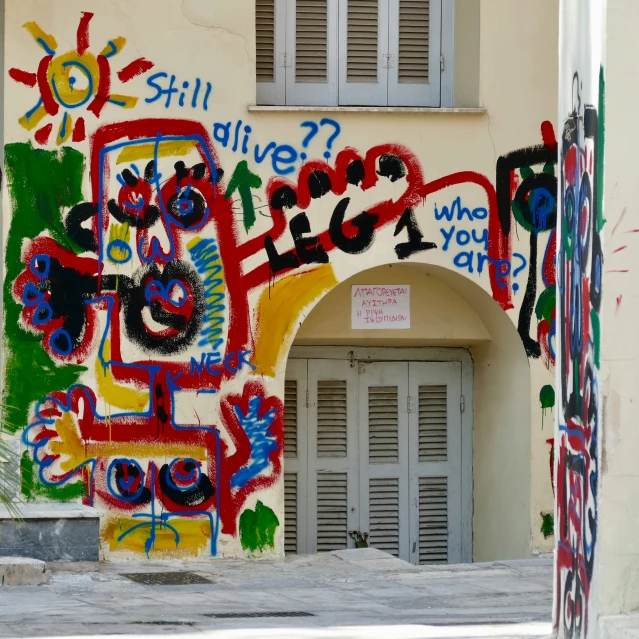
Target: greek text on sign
(380, 306)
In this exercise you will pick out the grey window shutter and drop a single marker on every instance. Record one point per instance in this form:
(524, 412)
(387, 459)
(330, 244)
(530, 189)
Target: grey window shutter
(332, 418)
(384, 470)
(290, 418)
(383, 514)
(433, 423)
(363, 37)
(433, 520)
(333, 490)
(290, 513)
(295, 457)
(312, 36)
(415, 47)
(435, 434)
(332, 511)
(383, 425)
(270, 38)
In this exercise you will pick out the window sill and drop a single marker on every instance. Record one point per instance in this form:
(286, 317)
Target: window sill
(367, 109)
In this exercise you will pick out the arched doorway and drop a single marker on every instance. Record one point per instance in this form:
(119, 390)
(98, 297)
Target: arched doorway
(380, 443)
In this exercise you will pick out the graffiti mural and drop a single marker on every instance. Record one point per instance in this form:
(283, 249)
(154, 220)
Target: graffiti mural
(155, 277)
(580, 266)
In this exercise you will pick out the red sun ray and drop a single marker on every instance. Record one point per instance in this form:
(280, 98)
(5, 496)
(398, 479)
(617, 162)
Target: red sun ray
(83, 32)
(50, 105)
(134, 69)
(25, 77)
(79, 133)
(104, 87)
(42, 135)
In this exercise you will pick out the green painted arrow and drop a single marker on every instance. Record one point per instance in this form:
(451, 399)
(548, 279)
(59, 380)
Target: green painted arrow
(243, 181)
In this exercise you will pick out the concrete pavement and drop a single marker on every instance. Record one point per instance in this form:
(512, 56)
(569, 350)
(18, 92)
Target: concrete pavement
(347, 594)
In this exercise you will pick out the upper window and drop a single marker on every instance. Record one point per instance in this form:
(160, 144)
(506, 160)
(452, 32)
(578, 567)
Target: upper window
(349, 52)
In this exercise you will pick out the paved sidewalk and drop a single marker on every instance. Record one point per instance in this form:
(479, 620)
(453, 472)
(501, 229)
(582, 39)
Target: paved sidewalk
(350, 594)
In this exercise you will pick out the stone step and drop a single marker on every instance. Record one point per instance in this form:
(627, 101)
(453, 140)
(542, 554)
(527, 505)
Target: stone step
(23, 571)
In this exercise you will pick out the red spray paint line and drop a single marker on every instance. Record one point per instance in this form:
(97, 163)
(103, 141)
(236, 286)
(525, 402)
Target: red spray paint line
(134, 69)
(83, 32)
(24, 77)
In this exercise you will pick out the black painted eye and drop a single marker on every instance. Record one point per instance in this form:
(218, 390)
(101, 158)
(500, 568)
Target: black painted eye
(188, 208)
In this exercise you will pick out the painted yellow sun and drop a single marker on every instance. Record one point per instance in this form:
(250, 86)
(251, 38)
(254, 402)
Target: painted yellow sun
(74, 80)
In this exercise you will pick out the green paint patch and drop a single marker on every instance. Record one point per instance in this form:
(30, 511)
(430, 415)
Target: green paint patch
(547, 400)
(31, 487)
(547, 525)
(257, 528)
(596, 335)
(546, 304)
(601, 134)
(547, 396)
(41, 185)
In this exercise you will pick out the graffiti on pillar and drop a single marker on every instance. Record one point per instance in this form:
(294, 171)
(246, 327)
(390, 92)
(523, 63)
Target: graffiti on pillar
(579, 278)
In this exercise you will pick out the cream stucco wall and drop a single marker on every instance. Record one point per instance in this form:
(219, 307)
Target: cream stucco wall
(618, 590)
(215, 42)
(439, 317)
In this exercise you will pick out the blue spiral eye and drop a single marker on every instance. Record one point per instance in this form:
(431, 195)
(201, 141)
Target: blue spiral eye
(184, 474)
(125, 479)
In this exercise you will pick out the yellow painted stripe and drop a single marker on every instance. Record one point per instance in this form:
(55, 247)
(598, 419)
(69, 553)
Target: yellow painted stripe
(34, 120)
(38, 34)
(146, 151)
(278, 310)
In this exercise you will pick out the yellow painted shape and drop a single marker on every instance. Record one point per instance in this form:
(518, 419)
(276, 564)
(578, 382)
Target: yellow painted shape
(69, 445)
(118, 43)
(124, 101)
(116, 394)
(59, 76)
(116, 254)
(195, 536)
(32, 122)
(34, 29)
(279, 308)
(65, 129)
(147, 151)
(142, 450)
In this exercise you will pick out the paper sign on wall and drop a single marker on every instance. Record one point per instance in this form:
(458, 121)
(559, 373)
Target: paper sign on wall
(380, 306)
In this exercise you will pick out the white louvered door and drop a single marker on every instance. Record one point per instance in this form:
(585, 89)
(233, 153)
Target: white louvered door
(295, 458)
(374, 447)
(311, 43)
(383, 446)
(363, 36)
(333, 493)
(435, 441)
(415, 44)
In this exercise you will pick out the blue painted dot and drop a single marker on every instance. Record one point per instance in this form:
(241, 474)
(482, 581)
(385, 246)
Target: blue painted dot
(515, 287)
(327, 154)
(303, 156)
